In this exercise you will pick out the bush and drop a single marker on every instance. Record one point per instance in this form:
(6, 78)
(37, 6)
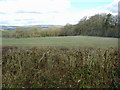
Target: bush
(60, 68)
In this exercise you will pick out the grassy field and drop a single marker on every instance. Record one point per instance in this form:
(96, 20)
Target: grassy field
(67, 41)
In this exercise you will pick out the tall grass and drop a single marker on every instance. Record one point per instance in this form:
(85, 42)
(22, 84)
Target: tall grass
(60, 68)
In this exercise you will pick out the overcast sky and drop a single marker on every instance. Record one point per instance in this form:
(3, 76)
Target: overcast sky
(53, 12)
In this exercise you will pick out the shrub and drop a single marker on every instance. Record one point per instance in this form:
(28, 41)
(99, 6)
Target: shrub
(60, 68)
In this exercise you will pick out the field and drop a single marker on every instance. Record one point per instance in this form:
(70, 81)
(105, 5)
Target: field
(65, 41)
(60, 62)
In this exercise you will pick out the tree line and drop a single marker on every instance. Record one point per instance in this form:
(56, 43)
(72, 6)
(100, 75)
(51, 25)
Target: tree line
(105, 25)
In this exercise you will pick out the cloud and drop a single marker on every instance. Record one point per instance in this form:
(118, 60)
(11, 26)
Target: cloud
(12, 6)
(24, 12)
(109, 8)
(31, 18)
(35, 12)
(91, 0)
(19, 11)
(31, 9)
(113, 7)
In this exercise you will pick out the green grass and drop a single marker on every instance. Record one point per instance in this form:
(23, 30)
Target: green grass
(65, 41)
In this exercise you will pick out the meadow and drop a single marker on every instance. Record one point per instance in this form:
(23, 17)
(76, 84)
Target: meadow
(62, 41)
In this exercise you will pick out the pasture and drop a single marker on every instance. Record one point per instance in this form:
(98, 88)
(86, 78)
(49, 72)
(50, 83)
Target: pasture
(63, 41)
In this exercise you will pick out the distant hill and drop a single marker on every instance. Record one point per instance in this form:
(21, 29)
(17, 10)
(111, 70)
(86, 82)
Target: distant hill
(26, 27)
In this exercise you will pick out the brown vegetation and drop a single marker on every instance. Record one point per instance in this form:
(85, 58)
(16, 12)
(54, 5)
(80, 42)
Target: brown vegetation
(60, 68)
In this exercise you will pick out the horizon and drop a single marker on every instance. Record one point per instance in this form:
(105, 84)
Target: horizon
(52, 12)
(29, 25)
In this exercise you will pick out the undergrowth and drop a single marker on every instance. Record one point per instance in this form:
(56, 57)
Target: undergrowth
(60, 68)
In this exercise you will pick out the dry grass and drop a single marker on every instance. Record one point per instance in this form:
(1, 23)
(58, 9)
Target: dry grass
(60, 68)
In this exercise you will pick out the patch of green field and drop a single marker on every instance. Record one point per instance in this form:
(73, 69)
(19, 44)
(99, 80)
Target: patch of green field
(65, 41)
